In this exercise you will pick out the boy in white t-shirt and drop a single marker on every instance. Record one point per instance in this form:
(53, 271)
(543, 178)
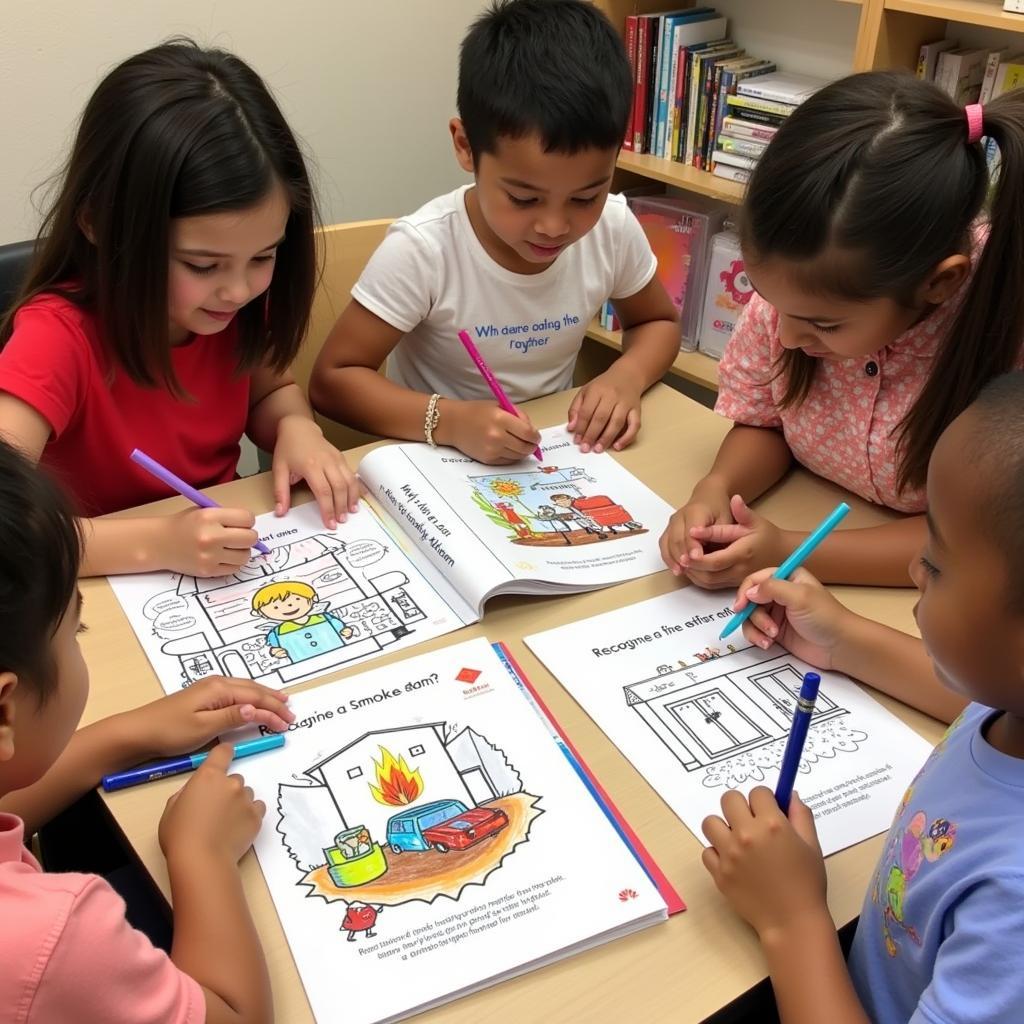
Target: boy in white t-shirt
(522, 259)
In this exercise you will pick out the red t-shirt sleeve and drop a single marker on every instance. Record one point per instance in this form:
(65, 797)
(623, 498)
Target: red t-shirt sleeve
(46, 363)
(103, 971)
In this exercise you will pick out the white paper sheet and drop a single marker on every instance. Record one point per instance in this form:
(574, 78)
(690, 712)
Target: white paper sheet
(697, 716)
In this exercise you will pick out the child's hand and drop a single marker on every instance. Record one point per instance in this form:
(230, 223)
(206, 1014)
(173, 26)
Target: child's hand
(798, 613)
(749, 543)
(486, 433)
(184, 721)
(303, 453)
(206, 541)
(708, 506)
(213, 814)
(606, 412)
(770, 869)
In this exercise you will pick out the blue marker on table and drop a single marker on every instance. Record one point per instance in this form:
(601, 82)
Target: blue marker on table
(791, 564)
(186, 763)
(795, 743)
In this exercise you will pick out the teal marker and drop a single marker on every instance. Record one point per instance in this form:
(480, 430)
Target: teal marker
(186, 763)
(791, 564)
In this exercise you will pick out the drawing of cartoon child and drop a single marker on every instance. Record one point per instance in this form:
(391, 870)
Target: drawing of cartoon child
(360, 917)
(301, 633)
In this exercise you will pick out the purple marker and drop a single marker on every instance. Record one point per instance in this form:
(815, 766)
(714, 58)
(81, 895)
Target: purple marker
(185, 490)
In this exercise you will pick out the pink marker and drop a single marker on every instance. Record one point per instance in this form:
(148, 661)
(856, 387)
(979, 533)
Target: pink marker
(492, 381)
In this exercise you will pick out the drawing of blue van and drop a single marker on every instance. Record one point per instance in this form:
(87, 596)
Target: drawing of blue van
(443, 825)
(405, 829)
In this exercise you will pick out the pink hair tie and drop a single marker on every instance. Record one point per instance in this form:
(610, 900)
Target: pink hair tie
(974, 122)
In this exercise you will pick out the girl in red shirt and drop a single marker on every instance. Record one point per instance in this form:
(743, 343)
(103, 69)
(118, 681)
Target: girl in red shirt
(170, 291)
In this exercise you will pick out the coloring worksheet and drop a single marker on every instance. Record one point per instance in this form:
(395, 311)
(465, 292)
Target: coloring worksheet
(440, 536)
(320, 600)
(427, 834)
(697, 716)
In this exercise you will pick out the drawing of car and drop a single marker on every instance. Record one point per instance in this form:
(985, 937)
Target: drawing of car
(443, 825)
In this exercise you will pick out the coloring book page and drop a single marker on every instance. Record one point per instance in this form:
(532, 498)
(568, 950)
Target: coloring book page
(322, 599)
(426, 835)
(572, 522)
(697, 716)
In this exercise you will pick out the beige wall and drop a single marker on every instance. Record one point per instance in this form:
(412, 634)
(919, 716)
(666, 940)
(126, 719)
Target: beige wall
(369, 86)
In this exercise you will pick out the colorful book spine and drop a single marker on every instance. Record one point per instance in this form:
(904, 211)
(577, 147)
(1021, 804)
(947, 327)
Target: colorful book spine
(631, 53)
(730, 173)
(744, 147)
(740, 102)
(737, 128)
(640, 89)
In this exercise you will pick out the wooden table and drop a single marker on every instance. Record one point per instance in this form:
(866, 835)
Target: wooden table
(684, 970)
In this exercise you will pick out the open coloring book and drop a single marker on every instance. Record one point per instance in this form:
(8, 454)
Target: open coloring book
(697, 716)
(448, 533)
(429, 832)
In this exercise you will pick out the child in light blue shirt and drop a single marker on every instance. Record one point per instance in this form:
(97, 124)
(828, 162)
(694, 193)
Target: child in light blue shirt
(940, 934)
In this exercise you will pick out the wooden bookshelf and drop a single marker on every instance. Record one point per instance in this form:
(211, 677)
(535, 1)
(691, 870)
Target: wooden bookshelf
(672, 172)
(692, 366)
(985, 13)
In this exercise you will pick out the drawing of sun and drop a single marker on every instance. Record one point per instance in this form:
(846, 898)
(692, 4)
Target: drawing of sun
(506, 488)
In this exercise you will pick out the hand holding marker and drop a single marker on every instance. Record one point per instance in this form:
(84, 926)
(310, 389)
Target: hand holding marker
(802, 715)
(179, 485)
(791, 564)
(492, 381)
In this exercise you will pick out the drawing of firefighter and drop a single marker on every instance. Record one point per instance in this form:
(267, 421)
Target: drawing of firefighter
(300, 632)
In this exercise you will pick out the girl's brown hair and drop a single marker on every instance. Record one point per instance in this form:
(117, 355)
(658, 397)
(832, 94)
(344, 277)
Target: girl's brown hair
(867, 186)
(175, 131)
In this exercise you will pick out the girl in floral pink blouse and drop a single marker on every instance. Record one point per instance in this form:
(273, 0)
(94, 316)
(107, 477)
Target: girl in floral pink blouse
(883, 303)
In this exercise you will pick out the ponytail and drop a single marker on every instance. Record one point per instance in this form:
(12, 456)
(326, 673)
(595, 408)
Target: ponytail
(867, 186)
(986, 337)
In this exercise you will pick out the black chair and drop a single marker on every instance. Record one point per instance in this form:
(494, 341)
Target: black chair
(14, 261)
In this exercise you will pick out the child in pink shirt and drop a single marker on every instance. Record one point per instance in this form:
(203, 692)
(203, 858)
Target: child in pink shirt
(66, 951)
(883, 305)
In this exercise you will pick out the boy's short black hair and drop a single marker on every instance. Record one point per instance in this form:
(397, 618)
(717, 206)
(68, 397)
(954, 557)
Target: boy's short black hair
(552, 67)
(40, 553)
(997, 452)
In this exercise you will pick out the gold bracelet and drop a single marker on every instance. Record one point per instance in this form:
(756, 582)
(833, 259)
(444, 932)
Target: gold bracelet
(431, 420)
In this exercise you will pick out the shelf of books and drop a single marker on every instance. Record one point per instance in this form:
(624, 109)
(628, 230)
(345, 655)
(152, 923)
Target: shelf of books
(692, 366)
(985, 13)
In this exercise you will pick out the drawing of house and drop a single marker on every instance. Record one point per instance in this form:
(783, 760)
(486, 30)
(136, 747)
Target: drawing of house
(705, 715)
(410, 765)
(228, 640)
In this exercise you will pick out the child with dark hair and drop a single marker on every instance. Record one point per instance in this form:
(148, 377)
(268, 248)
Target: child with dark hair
(170, 291)
(67, 953)
(938, 941)
(522, 259)
(885, 299)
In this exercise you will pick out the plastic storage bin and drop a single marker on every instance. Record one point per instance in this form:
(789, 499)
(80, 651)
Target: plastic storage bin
(678, 230)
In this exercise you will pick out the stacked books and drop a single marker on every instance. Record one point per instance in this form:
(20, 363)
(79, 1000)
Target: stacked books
(752, 114)
(684, 67)
(695, 96)
(971, 75)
